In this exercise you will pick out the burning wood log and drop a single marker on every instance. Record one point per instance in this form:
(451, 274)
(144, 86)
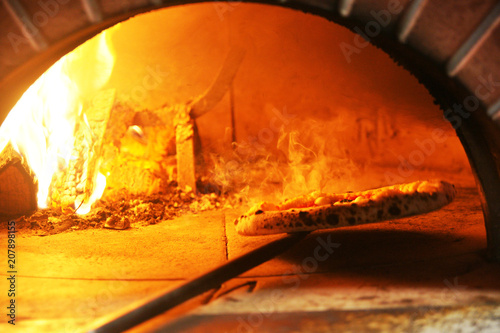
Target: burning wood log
(74, 185)
(17, 185)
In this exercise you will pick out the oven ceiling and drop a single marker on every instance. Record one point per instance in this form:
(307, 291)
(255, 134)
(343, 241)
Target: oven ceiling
(457, 38)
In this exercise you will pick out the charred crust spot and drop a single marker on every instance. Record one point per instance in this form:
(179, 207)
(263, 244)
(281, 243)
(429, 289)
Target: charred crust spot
(260, 211)
(434, 196)
(394, 210)
(351, 220)
(306, 218)
(332, 219)
(345, 200)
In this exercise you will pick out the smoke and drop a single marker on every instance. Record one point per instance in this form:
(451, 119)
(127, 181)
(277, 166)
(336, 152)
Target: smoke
(308, 155)
(318, 159)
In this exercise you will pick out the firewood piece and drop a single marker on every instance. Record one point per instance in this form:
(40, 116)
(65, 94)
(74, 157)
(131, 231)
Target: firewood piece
(98, 118)
(184, 135)
(75, 184)
(17, 186)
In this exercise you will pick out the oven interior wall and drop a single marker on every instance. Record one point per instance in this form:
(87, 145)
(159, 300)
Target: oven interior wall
(302, 101)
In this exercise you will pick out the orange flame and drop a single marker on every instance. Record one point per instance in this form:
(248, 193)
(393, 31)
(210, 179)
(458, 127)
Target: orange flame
(41, 126)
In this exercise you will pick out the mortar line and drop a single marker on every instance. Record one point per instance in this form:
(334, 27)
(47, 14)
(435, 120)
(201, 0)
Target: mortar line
(93, 10)
(31, 32)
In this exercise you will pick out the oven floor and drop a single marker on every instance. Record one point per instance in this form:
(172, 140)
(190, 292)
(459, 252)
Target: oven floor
(424, 273)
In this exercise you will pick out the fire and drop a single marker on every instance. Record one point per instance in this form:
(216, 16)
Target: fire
(49, 127)
(85, 207)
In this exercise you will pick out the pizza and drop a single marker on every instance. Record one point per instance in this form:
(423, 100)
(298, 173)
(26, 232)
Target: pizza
(323, 211)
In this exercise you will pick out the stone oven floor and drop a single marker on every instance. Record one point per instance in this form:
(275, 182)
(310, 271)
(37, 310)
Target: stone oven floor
(424, 273)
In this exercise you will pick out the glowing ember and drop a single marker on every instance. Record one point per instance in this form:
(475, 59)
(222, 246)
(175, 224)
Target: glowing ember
(49, 126)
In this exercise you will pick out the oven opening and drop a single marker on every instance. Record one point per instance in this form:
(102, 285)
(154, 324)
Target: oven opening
(125, 164)
(226, 107)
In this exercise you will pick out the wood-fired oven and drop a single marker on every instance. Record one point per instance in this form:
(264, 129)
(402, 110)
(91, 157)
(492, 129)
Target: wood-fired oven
(158, 126)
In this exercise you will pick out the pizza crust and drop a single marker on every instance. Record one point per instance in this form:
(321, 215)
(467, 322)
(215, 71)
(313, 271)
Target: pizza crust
(386, 203)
